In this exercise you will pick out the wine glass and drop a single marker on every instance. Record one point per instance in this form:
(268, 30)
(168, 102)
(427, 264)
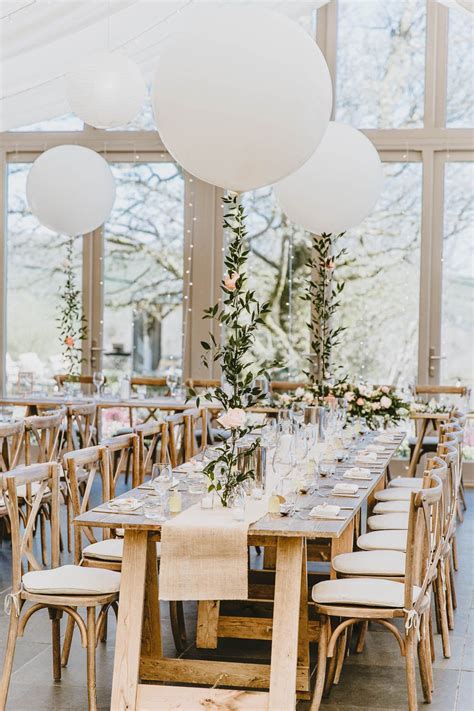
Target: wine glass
(297, 413)
(172, 381)
(98, 379)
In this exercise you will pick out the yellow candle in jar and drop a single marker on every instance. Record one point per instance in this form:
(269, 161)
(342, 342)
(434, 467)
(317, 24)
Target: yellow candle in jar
(175, 502)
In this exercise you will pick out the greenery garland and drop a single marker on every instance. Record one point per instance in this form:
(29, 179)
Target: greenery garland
(72, 324)
(240, 314)
(323, 293)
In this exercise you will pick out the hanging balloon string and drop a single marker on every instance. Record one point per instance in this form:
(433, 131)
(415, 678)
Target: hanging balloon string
(290, 303)
(188, 267)
(177, 11)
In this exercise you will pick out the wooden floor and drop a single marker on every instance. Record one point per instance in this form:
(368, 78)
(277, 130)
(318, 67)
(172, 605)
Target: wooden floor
(372, 681)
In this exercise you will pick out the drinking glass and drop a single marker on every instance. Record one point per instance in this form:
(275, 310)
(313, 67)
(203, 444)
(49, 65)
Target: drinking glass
(153, 508)
(161, 480)
(98, 379)
(297, 413)
(172, 381)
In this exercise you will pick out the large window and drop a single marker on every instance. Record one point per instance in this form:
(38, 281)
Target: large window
(35, 268)
(460, 98)
(382, 270)
(143, 269)
(380, 63)
(457, 365)
(278, 273)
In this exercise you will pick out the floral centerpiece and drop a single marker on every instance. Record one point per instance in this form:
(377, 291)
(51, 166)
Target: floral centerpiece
(377, 405)
(72, 324)
(433, 406)
(239, 313)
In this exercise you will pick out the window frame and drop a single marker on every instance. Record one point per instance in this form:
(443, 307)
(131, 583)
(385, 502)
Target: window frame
(433, 144)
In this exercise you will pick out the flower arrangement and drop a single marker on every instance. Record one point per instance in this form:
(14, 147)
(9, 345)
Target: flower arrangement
(240, 314)
(433, 406)
(72, 324)
(374, 404)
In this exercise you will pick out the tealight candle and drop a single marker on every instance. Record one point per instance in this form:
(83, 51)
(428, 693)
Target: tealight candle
(257, 492)
(174, 502)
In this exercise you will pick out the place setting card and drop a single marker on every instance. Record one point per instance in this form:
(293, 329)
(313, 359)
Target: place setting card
(126, 505)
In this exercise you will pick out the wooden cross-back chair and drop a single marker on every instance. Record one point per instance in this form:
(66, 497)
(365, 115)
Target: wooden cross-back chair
(11, 441)
(200, 384)
(43, 436)
(182, 427)
(284, 386)
(349, 601)
(123, 453)
(106, 553)
(453, 431)
(61, 378)
(152, 446)
(60, 589)
(80, 428)
(149, 381)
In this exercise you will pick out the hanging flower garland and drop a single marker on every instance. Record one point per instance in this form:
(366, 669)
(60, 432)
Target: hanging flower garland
(72, 324)
(239, 313)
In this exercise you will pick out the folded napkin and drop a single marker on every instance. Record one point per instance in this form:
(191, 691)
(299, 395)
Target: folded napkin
(192, 466)
(325, 511)
(385, 439)
(342, 488)
(127, 504)
(375, 448)
(368, 458)
(357, 473)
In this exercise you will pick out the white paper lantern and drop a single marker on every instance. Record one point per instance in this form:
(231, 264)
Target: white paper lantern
(70, 189)
(338, 186)
(241, 96)
(106, 90)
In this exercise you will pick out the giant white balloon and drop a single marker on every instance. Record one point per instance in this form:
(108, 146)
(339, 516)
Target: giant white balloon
(241, 96)
(106, 90)
(337, 187)
(70, 189)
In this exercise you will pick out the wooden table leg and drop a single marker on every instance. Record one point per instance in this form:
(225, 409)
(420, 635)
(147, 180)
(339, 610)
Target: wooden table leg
(207, 624)
(129, 625)
(286, 611)
(343, 544)
(303, 630)
(417, 450)
(151, 636)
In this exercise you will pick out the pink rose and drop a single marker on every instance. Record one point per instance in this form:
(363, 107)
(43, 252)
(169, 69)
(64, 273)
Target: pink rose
(349, 396)
(360, 401)
(69, 341)
(330, 399)
(230, 281)
(233, 418)
(385, 402)
(385, 389)
(330, 265)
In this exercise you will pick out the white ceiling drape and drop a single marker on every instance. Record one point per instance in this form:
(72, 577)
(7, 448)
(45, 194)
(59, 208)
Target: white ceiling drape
(42, 39)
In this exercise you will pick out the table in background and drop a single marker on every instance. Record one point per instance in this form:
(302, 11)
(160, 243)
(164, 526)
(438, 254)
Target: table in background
(422, 421)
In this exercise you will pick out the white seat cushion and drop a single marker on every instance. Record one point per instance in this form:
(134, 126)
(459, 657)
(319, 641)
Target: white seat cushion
(361, 591)
(384, 507)
(383, 540)
(21, 491)
(72, 580)
(370, 563)
(381, 522)
(110, 549)
(395, 494)
(406, 482)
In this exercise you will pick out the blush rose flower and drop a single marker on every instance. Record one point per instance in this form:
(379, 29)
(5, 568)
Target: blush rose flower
(385, 389)
(330, 265)
(385, 402)
(349, 396)
(330, 399)
(233, 418)
(360, 401)
(69, 341)
(230, 281)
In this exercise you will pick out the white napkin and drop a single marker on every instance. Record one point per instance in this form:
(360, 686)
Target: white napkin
(325, 511)
(342, 488)
(375, 448)
(357, 473)
(191, 466)
(126, 504)
(369, 458)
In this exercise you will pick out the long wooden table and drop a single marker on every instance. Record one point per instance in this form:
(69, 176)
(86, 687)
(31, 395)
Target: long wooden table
(138, 652)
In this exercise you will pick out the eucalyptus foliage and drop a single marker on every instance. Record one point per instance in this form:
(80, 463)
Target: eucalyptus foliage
(72, 324)
(239, 314)
(323, 293)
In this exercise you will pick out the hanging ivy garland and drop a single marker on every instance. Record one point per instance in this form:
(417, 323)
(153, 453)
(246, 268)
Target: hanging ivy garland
(72, 324)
